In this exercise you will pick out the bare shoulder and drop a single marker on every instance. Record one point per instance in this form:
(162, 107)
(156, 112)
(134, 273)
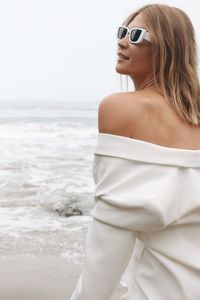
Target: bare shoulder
(145, 117)
(118, 112)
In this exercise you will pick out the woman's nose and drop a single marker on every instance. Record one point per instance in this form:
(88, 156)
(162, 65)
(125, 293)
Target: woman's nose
(123, 43)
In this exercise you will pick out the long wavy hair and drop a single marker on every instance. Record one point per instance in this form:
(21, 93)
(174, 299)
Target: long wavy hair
(175, 58)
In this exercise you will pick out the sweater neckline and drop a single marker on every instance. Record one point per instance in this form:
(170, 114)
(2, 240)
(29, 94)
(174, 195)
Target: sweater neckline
(138, 150)
(153, 145)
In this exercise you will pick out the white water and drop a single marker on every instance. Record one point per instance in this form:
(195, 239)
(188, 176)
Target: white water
(46, 164)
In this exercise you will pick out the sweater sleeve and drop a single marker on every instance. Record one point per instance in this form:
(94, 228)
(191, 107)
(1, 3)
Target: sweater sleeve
(108, 250)
(128, 194)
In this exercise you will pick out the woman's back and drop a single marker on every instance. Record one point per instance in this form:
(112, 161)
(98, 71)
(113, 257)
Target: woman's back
(146, 214)
(156, 122)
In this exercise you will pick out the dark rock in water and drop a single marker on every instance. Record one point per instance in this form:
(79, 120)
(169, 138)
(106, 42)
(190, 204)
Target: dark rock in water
(69, 211)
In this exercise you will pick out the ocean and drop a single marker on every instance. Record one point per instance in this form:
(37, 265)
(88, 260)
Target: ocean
(46, 165)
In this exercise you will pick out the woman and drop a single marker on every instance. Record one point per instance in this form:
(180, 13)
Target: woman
(147, 167)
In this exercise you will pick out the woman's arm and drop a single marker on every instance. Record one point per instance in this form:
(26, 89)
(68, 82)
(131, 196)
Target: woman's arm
(108, 250)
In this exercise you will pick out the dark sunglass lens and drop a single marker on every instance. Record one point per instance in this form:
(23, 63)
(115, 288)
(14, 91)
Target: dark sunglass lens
(121, 32)
(135, 34)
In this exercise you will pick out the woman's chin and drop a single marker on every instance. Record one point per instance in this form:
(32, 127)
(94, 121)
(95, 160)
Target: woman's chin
(121, 70)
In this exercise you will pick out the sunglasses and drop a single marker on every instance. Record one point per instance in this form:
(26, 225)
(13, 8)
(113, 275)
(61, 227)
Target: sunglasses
(136, 34)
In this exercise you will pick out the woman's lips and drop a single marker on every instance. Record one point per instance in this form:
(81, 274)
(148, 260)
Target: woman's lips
(121, 56)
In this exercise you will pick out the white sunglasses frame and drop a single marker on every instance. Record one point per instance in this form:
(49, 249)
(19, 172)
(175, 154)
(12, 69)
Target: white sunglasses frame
(144, 34)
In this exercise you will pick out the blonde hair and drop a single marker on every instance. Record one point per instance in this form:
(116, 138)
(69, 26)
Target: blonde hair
(175, 58)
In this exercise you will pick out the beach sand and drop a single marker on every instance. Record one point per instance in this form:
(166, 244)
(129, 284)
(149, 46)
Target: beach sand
(37, 265)
(40, 278)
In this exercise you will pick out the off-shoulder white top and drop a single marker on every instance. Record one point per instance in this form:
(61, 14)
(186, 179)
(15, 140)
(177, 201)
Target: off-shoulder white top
(146, 222)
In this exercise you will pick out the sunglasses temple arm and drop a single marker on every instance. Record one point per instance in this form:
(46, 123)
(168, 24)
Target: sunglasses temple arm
(147, 36)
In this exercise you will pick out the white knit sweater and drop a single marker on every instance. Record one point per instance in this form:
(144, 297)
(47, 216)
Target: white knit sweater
(146, 222)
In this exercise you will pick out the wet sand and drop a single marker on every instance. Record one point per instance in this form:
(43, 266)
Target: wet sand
(41, 278)
(43, 264)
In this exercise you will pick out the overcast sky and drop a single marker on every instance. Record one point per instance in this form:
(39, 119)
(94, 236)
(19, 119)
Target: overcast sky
(61, 50)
